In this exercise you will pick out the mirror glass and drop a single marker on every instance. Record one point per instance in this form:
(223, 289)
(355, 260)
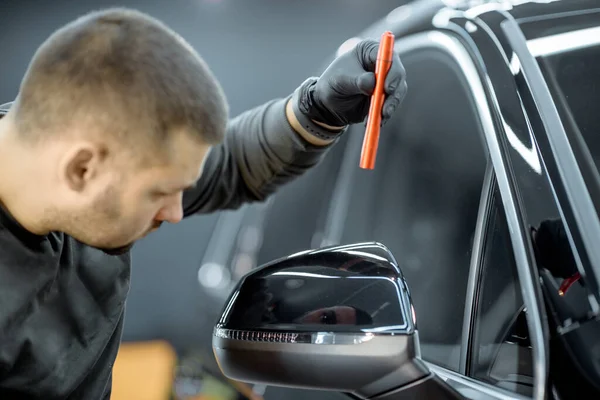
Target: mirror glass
(354, 288)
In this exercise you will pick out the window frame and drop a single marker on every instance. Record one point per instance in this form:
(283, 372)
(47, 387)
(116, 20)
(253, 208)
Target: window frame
(495, 139)
(476, 271)
(482, 90)
(487, 109)
(489, 201)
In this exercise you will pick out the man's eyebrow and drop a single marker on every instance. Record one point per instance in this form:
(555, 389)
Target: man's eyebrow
(178, 188)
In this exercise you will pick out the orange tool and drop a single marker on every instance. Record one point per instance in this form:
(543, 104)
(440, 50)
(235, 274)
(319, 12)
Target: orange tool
(382, 66)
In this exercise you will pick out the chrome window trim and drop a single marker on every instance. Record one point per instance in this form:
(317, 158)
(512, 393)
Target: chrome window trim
(475, 268)
(454, 48)
(484, 390)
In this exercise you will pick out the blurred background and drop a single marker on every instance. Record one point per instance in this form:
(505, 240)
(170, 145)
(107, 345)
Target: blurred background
(259, 50)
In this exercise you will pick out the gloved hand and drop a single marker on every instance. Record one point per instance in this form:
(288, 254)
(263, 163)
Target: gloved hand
(341, 95)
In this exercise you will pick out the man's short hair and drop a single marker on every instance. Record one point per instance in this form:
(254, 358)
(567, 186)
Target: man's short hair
(126, 74)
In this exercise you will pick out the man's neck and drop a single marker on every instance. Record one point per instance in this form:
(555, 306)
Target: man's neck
(15, 184)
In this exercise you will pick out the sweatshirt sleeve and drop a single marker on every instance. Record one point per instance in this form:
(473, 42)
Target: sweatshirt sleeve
(260, 153)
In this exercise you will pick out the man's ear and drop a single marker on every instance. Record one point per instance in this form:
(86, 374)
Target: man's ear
(81, 165)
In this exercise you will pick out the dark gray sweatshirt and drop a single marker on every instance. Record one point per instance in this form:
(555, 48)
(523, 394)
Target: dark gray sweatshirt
(61, 302)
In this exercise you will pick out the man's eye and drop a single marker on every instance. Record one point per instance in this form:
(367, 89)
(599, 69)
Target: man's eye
(158, 194)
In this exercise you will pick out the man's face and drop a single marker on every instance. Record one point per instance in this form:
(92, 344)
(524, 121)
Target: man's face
(128, 202)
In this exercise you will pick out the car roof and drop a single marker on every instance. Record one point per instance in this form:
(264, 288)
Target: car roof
(417, 15)
(525, 9)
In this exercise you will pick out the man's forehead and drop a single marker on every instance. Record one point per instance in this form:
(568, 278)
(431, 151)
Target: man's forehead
(187, 144)
(188, 161)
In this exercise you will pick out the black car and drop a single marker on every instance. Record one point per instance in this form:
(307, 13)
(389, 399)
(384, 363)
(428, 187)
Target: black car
(486, 191)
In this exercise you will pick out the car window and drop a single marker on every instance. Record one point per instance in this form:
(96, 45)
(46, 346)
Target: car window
(301, 205)
(501, 352)
(574, 79)
(422, 198)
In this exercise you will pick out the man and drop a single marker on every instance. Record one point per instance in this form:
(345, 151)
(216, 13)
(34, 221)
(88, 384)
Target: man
(118, 127)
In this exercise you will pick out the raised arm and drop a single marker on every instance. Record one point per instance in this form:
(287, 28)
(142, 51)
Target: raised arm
(272, 144)
(261, 152)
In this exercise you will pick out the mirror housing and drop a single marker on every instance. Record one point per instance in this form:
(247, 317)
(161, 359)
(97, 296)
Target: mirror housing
(337, 318)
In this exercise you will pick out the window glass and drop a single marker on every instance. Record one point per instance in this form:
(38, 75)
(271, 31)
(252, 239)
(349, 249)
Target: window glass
(422, 198)
(568, 53)
(502, 353)
(574, 79)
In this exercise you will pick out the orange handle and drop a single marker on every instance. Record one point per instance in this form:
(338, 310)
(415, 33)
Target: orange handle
(382, 66)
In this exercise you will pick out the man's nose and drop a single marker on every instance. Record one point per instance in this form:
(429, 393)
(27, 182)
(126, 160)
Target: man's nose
(171, 213)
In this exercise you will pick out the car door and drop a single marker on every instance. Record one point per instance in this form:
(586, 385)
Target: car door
(425, 200)
(433, 199)
(422, 200)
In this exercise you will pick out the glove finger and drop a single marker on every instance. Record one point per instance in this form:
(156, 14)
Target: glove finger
(395, 76)
(366, 83)
(366, 51)
(393, 101)
(351, 85)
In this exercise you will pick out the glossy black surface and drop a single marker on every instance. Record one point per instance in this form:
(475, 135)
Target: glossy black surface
(518, 154)
(552, 24)
(536, 183)
(573, 80)
(350, 288)
(541, 108)
(533, 9)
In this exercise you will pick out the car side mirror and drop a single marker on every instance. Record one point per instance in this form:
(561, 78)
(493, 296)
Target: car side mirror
(337, 318)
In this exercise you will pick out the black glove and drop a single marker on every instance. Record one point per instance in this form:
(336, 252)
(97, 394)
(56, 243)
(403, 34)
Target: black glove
(341, 95)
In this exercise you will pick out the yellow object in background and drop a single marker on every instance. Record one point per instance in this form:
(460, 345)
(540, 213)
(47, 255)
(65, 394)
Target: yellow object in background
(148, 371)
(144, 371)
